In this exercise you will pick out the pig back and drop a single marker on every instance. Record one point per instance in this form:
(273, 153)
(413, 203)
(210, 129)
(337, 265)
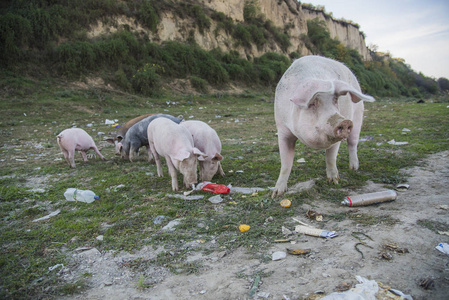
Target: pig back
(137, 134)
(124, 129)
(169, 137)
(205, 138)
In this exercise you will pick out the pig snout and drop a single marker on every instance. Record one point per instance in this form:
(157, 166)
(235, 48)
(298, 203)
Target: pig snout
(343, 129)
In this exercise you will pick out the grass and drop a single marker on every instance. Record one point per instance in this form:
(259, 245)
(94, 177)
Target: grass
(131, 197)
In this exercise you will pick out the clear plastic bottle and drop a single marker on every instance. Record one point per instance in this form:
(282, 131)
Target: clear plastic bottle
(87, 196)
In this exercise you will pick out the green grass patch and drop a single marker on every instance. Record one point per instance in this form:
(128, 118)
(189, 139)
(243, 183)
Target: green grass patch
(34, 177)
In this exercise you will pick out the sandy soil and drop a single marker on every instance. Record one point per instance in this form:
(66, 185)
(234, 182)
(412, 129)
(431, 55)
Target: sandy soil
(332, 262)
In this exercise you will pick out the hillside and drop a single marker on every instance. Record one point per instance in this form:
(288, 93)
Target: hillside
(141, 46)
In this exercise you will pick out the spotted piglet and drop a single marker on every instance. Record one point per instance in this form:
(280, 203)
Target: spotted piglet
(77, 139)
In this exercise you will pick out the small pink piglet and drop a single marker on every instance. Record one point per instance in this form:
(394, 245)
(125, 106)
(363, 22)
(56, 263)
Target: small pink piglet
(77, 139)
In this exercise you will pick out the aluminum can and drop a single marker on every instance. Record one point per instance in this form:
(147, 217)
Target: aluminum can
(371, 198)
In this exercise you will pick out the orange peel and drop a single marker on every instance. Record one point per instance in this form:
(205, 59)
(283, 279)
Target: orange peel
(286, 203)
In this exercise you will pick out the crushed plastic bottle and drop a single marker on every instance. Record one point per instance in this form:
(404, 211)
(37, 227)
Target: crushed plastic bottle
(371, 198)
(87, 196)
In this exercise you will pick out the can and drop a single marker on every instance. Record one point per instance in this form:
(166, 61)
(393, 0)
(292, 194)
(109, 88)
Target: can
(371, 198)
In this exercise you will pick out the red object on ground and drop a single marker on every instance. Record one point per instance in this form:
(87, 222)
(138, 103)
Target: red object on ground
(216, 188)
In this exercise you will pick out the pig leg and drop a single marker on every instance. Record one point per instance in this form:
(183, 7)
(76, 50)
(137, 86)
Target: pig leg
(287, 153)
(353, 138)
(150, 156)
(98, 152)
(157, 159)
(83, 153)
(331, 163)
(220, 170)
(173, 174)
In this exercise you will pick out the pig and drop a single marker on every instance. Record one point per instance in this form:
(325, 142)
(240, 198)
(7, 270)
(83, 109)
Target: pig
(206, 139)
(318, 101)
(77, 139)
(120, 134)
(137, 137)
(174, 142)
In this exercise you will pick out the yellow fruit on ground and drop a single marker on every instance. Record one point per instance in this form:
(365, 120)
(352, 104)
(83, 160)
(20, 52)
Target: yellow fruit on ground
(286, 203)
(244, 227)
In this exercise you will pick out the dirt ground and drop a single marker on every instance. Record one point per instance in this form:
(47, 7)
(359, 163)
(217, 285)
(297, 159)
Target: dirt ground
(332, 262)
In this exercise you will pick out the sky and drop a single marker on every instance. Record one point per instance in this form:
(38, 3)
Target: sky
(415, 30)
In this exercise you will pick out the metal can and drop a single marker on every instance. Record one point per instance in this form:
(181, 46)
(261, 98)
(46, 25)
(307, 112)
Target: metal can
(371, 198)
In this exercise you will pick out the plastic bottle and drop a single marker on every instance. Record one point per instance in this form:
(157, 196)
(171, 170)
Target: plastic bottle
(367, 199)
(87, 196)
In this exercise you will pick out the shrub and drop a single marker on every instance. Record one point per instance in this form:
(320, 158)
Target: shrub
(14, 33)
(199, 84)
(146, 82)
(75, 58)
(148, 16)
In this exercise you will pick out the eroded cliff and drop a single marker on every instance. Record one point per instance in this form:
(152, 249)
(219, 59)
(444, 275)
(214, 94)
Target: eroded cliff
(287, 15)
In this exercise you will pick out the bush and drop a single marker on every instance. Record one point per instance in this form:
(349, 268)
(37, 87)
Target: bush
(148, 16)
(75, 58)
(199, 84)
(14, 33)
(146, 82)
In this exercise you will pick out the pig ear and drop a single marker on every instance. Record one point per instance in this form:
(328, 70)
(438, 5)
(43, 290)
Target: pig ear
(199, 154)
(182, 155)
(110, 140)
(308, 89)
(217, 157)
(342, 88)
(119, 138)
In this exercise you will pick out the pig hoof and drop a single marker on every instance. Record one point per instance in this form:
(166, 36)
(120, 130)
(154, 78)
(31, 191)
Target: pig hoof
(277, 193)
(333, 180)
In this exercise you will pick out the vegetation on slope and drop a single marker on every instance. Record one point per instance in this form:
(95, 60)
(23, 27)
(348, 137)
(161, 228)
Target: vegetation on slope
(42, 36)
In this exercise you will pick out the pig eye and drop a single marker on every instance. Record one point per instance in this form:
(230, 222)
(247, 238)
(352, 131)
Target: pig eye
(313, 105)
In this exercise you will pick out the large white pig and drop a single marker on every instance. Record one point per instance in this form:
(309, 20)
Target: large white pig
(77, 139)
(206, 139)
(174, 142)
(318, 101)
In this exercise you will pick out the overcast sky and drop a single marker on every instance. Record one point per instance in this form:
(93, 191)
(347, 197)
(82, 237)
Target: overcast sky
(415, 30)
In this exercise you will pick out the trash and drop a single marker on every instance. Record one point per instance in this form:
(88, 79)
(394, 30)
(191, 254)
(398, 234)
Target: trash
(197, 197)
(402, 187)
(99, 238)
(213, 187)
(159, 219)
(443, 232)
(116, 125)
(55, 266)
(239, 171)
(278, 255)
(87, 196)
(216, 199)
(110, 122)
(365, 139)
(286, 231)
(444, 206)
(443, 247)
(395, 248)
(243, 190)
(48, 216)
(371, 198)
(311, 214)
(298, 252)
(366, 289)
(393, 142)
(401, 294)
(406, 130)
(344, 286)
(315, 231)
(244, 227)
(171, 225)
(427, 283)
(301, 160)
(286, 203)
(255, 286)
(301, 186)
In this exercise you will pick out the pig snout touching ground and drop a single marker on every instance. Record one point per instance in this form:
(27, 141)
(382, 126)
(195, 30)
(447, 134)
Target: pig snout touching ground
(120, 134)
(206, 139)
(76, 139)
(174, 142)
(137, 136)
(318, 101)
